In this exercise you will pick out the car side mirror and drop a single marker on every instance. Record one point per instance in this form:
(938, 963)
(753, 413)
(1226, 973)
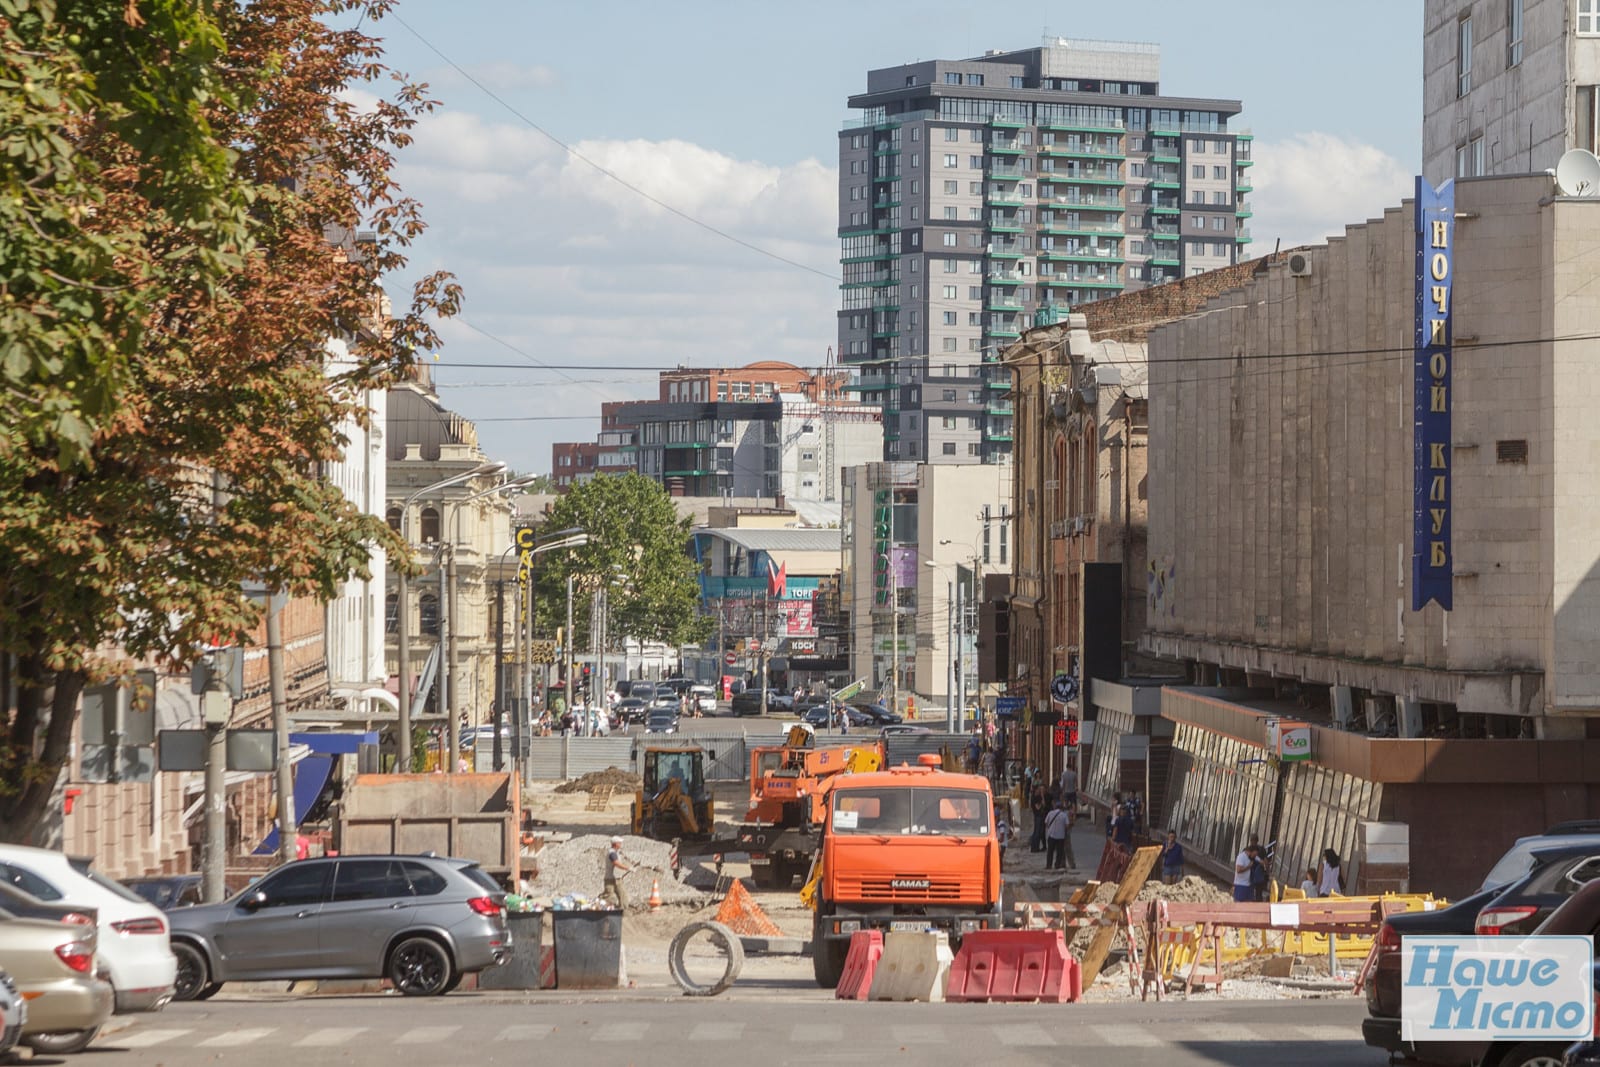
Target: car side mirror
(255, 900)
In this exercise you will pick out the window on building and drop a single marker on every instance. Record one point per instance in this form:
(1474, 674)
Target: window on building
(428, 608)
(975, 162)
(1219, 224)
(949, 448)
(974, 79)
(950, 266)
(952, 188)
(1218, 198)
(1219, 174)
(392, 517)
(951, 160)
(1198, 196)
(948, 345)
(430, 526)
(1198, 170)
(949, 213)
(975, 396)
(975, 292)
(952, 134)
(952, 77)
(1017, 82)
(916, 161)
(950, 292)
(1586, 117)
(949, 396)
(975, 188)
(1589, 17)
(1198, 221)
(949, 318)
(1464, 56)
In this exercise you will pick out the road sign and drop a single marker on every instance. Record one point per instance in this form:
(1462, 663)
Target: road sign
(730, 659)
(754, 644)
(851, 690)
(1064, 688)
(1010, 707)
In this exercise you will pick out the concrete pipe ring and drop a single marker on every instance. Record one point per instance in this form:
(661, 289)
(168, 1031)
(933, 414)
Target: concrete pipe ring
(719, 935)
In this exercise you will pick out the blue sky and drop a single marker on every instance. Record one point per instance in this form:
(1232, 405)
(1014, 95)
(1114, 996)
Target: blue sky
(728, 111)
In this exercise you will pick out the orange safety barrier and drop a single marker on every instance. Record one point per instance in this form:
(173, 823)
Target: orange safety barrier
(1015, 965)
(741, 914)
(860, 964)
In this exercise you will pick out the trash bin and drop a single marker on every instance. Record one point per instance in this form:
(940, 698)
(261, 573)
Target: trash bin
(521, 971)
(588, 948)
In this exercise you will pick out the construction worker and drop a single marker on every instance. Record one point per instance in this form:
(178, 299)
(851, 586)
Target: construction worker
(617, 866)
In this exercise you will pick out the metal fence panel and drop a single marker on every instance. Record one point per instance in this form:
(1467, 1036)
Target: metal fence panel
(589, 754)
(905, 748)
(544, 758)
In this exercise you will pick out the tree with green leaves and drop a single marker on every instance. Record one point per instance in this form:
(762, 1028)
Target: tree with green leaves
(638, 543)
(181, 183)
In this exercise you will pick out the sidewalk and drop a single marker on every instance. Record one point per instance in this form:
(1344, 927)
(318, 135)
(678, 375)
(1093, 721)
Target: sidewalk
(1025, 868)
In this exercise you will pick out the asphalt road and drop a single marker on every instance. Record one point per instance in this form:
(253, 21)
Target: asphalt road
(467, 1028)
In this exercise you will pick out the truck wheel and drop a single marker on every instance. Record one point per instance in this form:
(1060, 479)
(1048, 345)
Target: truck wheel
(764, 875)
(827, 957)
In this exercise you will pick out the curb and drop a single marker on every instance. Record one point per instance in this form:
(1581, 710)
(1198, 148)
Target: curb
(775, 946)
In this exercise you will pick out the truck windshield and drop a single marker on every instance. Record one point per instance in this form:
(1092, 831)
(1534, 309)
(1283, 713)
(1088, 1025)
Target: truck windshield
(922, 810)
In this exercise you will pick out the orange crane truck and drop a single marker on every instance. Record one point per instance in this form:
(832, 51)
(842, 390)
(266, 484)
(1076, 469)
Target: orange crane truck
(788, 801)
(908, 848)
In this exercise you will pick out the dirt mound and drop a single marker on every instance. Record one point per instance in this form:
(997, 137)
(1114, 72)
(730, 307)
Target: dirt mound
(571, 872)
(1191, 890)
(618, 779)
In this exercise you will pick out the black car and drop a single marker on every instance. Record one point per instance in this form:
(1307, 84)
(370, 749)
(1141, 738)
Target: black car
(661, 721)
(876, 715)
(1514, 909)
(631, 710)
(645, 691)
(749, 702)
(167, 891)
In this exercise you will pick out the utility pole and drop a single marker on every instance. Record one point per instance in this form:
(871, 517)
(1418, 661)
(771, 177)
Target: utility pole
(571, 643)
(961, 648)
(523, 722)
(447, 674)
(952, 716)
(894, 633)
(764, 655)
(278, 688)
(216, 711)
(499, 669)
(402, 762)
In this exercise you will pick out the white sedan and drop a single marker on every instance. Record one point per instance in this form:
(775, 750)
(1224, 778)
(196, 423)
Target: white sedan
(705, 699)
(134, 944)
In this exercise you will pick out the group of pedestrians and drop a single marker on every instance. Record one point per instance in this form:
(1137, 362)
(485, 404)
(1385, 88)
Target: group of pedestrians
(1253, 865)
(1055, 810)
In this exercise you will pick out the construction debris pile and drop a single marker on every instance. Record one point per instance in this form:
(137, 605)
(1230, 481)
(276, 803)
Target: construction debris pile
(612, 777)
(1190, 890)
(572, 873)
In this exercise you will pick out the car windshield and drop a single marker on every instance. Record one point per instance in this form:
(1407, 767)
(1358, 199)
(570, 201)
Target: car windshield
(927, 810)
(1519, 858)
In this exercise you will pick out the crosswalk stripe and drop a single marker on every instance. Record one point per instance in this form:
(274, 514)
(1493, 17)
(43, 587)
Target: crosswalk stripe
(144, 1038)
(1025, 1034)
(423, 1035)
(1125, 1036)
(527, 1032)
(716, 1032)
(235, 1037)
(1217, 1033)
(621, 1032)
(918, 1035)
(331, 1035)
(1329, 1033)
(817, 1034)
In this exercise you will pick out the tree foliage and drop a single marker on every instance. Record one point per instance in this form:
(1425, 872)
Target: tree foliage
(180, 187)
(637, 540)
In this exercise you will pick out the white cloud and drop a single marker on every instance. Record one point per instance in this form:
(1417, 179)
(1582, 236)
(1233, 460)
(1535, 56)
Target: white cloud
(1313, 185)
(574, 268)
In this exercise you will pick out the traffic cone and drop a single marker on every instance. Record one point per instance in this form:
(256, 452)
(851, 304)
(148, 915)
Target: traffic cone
(655, 894)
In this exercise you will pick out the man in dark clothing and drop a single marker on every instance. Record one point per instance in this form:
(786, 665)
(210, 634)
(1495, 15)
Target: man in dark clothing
(1039, 804)
(1122, 829)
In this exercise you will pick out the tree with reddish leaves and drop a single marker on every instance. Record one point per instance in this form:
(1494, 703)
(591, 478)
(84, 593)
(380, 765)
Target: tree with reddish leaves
(182, 186)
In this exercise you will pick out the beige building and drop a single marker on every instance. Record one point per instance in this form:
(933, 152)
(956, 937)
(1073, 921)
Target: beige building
(912, 531)
(1281, 511)
(427, 444)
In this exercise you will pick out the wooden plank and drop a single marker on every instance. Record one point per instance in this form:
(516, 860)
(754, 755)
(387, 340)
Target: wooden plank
(1133, 879)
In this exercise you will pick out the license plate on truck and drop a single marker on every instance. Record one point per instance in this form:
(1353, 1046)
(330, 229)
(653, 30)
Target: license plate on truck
(908, 927)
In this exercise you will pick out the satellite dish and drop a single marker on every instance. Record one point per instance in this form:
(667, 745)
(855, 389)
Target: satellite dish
(1578, 174)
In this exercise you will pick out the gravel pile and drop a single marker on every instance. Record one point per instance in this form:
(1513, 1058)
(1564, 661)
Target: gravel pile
(1191, 890)
(577, 868)
(618, 779)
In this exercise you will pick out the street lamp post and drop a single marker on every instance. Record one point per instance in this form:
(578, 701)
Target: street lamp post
(568, 538)
(403, 638)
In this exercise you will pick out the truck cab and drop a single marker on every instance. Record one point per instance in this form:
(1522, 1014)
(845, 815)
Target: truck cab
(909, 848)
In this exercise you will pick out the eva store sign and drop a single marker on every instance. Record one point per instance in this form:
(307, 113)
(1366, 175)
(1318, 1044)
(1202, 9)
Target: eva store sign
(1289, 741)
(1501, 988)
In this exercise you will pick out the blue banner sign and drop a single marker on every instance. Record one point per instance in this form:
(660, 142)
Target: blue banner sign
(1009, 707)
(1431, 558)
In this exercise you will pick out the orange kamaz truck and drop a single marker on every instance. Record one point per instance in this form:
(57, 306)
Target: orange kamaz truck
(908, 848)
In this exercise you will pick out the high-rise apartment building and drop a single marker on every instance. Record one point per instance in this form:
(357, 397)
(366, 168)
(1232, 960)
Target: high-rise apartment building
(1508, 85)
(974, 192)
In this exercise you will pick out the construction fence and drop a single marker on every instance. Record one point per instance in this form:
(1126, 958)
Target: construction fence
(727, 753)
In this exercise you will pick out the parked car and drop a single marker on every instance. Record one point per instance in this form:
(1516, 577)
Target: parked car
(1555, 875)
(13, 1013)
(704, 698)
(53, 967)
(27, 906)
(167, 891)
(878, 715)
(661, 721)
(134, 944)
(423, 922)
(819, 715)
(898, 731)
(749, 702)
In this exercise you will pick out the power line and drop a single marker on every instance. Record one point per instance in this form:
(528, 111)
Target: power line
(575, 154)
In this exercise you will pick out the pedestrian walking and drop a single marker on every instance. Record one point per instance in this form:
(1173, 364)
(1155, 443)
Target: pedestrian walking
(1122, 829)
(1330, 880)
(1039, 805)
(1172, 859)
(1057, 837)
(616, 868)
(1243, 864)
(1069, 787)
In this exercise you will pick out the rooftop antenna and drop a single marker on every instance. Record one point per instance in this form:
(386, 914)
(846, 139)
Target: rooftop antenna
(1578, 174)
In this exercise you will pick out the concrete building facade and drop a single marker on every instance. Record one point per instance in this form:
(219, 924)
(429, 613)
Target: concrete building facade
(911, 531)
(1508, 85)
(1282, 506)
(972, 192)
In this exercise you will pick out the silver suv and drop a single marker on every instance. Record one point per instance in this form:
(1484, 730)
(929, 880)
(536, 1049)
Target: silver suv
(420, 921)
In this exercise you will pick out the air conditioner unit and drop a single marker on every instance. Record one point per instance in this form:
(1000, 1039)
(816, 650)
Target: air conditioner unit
(1299, 265)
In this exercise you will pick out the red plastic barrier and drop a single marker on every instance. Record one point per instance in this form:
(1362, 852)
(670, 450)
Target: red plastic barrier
(1015, 965)
(866, 948)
